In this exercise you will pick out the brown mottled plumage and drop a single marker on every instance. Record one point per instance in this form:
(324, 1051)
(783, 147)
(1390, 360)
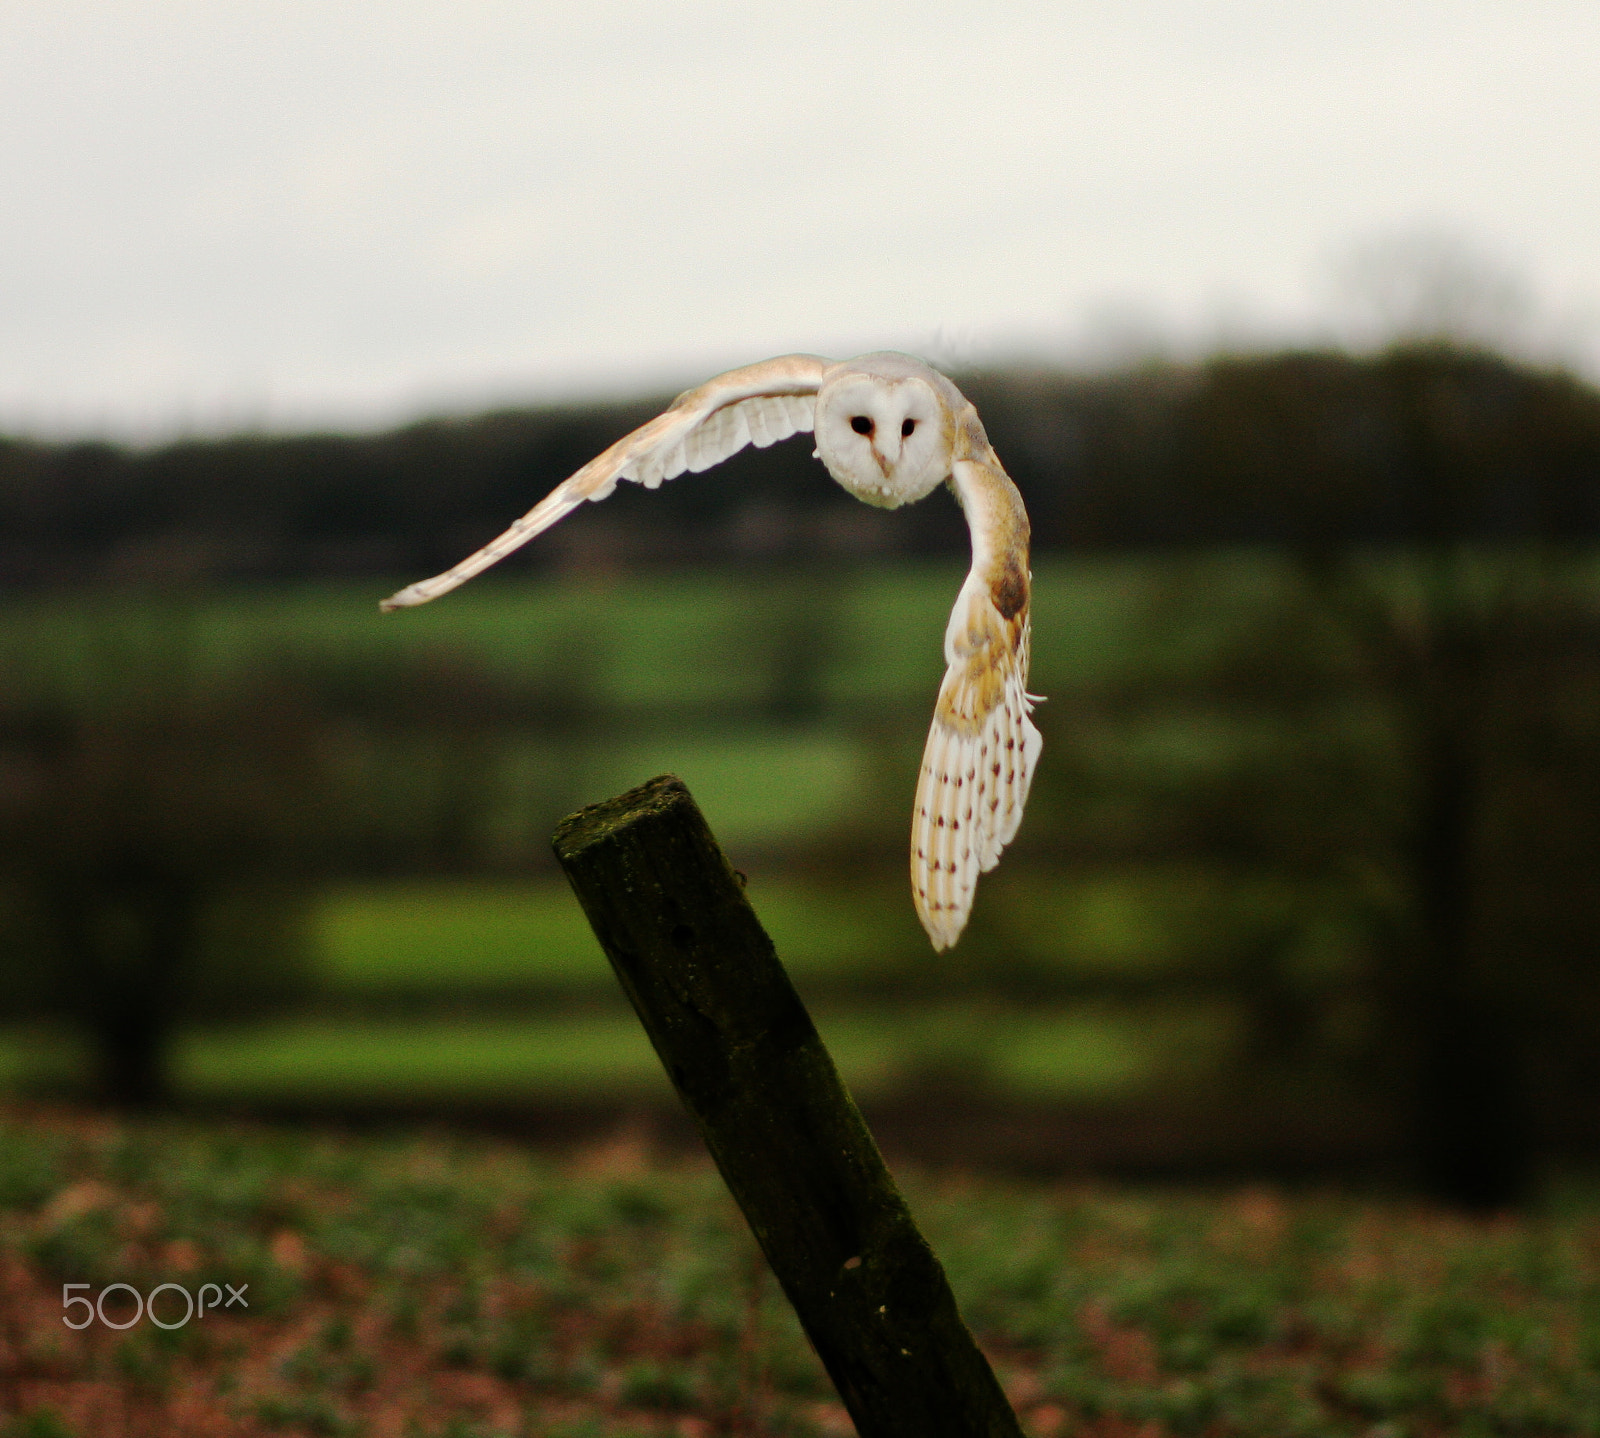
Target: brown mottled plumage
(982, 747)
(890, 430)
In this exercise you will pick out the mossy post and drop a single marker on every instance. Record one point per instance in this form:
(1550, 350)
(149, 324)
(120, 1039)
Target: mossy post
(746, 1060)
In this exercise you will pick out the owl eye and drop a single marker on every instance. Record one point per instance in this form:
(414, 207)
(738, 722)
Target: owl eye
(906, 428)
(861, 424)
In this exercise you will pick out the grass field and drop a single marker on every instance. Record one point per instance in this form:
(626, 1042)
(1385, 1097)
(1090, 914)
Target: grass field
(431, 942)
(568, 1032)
(608, 1057)
(605, 1057)
(442, 932)
(670, 638)
(633, 644)
(637, 645)
(679, 636)
(432, 1288)
(1137, 918)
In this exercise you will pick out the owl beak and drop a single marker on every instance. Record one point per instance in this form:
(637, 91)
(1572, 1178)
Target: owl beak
(884, 463)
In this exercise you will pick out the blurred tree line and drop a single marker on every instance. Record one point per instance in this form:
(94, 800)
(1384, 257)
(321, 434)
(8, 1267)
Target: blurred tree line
(1418, 695)
(1319, 448)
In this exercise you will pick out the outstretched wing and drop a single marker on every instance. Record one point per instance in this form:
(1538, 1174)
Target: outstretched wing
(759, 404)
(982, 748)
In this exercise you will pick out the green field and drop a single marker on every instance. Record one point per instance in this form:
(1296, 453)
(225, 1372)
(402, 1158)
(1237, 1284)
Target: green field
(450, 1289)
(1115, 641)
(374, 936)
(657, 657)
(377, 936)
(631, 644)
(434, 941)
(675, 637)
(605, 1057)
(448, 937)
(582, 1056)
(545, 1020)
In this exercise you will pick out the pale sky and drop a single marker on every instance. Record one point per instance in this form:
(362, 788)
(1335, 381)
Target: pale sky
(222, 213)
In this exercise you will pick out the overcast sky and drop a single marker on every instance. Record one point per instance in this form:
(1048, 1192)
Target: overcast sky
(221, 213)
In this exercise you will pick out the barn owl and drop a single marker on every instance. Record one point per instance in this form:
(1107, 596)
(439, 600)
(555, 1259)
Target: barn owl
(890, 429)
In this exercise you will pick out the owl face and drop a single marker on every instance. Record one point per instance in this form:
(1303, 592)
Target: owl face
(884, 436)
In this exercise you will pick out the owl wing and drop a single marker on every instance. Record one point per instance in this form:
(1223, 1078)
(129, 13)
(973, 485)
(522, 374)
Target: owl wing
(759, 404)
(982, 747)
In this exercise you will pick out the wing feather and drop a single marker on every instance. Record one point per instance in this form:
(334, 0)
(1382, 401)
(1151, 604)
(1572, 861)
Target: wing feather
(979, 760)
(755, 415)
(759, 404)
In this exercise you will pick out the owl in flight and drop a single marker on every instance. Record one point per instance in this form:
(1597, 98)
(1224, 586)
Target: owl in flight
(890, 430)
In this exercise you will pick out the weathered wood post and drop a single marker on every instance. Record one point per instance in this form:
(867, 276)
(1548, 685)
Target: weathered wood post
(746, 1060)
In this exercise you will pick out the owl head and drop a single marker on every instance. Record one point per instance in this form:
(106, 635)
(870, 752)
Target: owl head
(885, 427)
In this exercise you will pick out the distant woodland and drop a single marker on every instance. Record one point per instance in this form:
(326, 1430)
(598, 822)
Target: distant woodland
(1297, 450)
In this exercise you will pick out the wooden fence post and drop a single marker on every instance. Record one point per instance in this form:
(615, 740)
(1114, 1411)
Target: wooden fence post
(746, 1060)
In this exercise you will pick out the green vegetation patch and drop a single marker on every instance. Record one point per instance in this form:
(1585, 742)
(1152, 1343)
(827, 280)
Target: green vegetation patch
(665, 637)
(432, 932)
(438, 933)
(572, 1054)
(753, 789)
(605, 1056)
